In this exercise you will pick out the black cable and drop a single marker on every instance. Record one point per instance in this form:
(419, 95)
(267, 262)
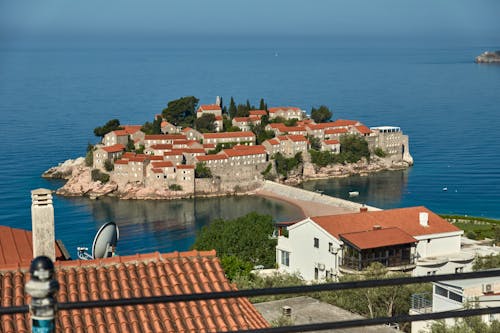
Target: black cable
(374, 321)
(278, 291)
(261, 292)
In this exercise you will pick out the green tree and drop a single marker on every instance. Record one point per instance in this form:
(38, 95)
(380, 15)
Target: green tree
(108, 165)
(246, 238)
(206, 123)
(380, 152)
(353, 148)
(202, 171)
(110, 126)
(175, 187)
(89, 157)
(97, 175)
(315, 142)
(152, 128)
(234, 266)
(182, 111)
(130, 145)
(285, 165)
(321, 158)
(466, 325)
(262, 105)
(232, 108)
(321, 114)
(243, 110)
(487, 262)
(261, 134)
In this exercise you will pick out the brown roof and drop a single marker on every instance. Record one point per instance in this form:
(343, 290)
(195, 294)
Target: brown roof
(164, 164)
(120, 132)
(162, 146)
(131, 129)
(114, 148)
(371, 239)
(164, 136)
(203, 158)
(207, 107)
(16, 248)
(228, 135)
(243, 152)
(257, 112)
(406, 219)
(363, 129)
(297, 138)
(185, 166)
(122, 161)
(284, 108)
(331, 142)
(141, 275)
(336, 131)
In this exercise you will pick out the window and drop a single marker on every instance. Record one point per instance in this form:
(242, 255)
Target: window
(316, 273)
(285, 258)
(455, 297)
(316, 242)
(441, 291)
(459, 270)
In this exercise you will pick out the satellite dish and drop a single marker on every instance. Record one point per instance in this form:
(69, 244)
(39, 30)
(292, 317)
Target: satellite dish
(104, 244)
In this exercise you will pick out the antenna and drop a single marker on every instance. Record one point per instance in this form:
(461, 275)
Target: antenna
(104, 244)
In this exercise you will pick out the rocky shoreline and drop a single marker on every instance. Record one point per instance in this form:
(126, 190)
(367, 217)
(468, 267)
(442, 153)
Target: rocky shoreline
(488, 58)
(79, 182)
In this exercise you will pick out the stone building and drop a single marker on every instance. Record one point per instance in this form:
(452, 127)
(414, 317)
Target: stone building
(281, 129)
(101, 154)
(286, 112)
(392, 141)
(230, 137)
(168, 128)
(216, 111)
(288, 145)
(154, 139)
(331, 146)
(245, 123)
(192, 134)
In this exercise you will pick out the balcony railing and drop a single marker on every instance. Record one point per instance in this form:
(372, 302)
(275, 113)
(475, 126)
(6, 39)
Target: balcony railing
(392, 261)
(298, 290)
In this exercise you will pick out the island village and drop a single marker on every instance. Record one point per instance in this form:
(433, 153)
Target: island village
(228, 156)
(337, 240)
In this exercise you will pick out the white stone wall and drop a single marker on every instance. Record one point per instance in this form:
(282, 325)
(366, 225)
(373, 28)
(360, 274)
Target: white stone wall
(304, 257)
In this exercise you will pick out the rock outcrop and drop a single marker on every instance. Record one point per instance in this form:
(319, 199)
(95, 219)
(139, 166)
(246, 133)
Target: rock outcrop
(488, 58)
(64, 170)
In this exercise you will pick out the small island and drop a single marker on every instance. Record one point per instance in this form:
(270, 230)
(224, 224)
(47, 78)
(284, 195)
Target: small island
(213, 150)
(488, 58)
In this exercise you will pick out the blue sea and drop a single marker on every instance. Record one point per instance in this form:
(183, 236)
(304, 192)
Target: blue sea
(53, 93)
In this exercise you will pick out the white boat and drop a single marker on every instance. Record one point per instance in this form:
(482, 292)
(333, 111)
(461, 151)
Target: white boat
(353, 194)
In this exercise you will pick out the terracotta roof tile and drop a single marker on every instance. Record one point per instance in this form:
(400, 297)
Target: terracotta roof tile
(185, 166)
(162, 146)
(16, 248)
(114, 148)
(336, 131)
(228, 135)
(165, 164)
(138, 276)
(371, 239)
(209, 107)
(164, 136)
(406, 219)
(332, 142)
(257, 112)
(363, 129)
(122, 161)
(203, 158)
(131, 129)
(284, 108)
(120, 133)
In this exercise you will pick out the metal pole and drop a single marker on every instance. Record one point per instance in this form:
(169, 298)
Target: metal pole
(42, 288)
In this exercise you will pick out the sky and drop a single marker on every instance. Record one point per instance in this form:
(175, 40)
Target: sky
(439, 18)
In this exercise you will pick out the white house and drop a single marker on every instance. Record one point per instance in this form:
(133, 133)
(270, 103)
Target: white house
(406, 239)
(457, 295)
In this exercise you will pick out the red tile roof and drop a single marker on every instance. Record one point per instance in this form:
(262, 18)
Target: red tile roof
(209, 145)
(145, 275)
(131, 129)
(155, 158)
(284, 108)
(243, 152)
(203, 158)
(162, 146)
(371, 239)
(122, 161)
(345, 122)
(120, 133)
(228, 135)
(164, 164)
(164, 136)
(241, 119)
(273, 142)
(336, 131)
(257, 112)
(128, 154)
(363, 129)
(209, 107)
(297, 138)
(114, 148)
(245, 147)
(332, 142)
(406, 219)
(185, 166)
(16, 248)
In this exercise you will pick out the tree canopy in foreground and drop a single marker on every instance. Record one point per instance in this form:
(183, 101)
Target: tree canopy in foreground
(240, 243)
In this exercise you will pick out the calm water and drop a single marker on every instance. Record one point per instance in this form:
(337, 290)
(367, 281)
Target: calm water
(52, 95)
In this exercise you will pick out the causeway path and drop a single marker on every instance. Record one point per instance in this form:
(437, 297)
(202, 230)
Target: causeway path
(311, 203)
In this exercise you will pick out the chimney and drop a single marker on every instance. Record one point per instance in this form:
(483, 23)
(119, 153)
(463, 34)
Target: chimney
(424, 219)
(286, 311)
(363, 209)
(42, 219)
(377, 227)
